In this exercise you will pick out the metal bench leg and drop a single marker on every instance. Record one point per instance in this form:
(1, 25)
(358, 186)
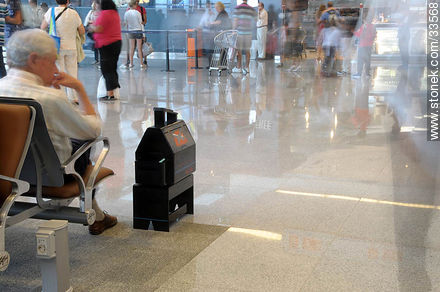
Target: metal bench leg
(53, 255)
(4, 255)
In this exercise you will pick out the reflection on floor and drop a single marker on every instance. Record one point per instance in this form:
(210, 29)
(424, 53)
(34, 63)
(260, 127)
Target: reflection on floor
(303, 183)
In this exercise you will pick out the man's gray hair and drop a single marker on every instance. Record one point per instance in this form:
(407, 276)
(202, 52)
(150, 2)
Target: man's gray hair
(23, 43)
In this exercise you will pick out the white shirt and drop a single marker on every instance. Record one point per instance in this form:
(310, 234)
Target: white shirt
(207, 18)
(262, 18)
(66, 25)
(63, 119)
(133, 20)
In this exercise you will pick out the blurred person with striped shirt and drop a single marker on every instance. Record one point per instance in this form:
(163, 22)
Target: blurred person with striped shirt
(244, 22)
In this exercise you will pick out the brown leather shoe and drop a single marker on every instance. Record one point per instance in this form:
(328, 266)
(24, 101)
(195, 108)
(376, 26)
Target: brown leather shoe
(99, 226)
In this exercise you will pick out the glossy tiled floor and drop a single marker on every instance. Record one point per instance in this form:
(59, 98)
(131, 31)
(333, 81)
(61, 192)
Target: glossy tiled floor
(315, 191)
(312, 202)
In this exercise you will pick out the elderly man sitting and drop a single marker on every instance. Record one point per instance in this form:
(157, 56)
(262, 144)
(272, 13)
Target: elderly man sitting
(34, 74)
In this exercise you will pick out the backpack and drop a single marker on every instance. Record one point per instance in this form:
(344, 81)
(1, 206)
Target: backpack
(332, 15)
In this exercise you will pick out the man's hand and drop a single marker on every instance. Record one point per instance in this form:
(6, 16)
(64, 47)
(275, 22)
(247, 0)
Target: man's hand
(66, 80)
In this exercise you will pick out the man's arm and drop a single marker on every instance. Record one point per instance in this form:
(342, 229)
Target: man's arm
(16, 19)
(81, 29)
(15, 6)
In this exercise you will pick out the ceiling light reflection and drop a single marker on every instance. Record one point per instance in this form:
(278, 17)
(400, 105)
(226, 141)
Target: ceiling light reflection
(359, 199)
(257, 233)
(327, 196)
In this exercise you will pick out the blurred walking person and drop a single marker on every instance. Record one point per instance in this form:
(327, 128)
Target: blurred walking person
(331, 45)
(208, 17)
(89, 20)
(4, 18)
(346, 49)
(262, 31)
(107, 34)
(319, 28)
(284, 19)
(294, 36)
(367, 35)
(244, 17)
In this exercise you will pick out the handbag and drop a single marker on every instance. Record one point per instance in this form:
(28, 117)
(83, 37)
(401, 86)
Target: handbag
(147, 49)
(53, 28)
(102, 90)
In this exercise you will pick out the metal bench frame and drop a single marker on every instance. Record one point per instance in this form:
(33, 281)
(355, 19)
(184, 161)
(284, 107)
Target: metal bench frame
(43, 168)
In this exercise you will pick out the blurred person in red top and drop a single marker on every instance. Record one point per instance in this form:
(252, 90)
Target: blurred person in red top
(107, 34)
(367, 35)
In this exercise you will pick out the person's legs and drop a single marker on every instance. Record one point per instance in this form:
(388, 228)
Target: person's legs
(368, 60)
(247, 43)
(262, 37)
(239, 54)
(84, 160)
(127, 43)
(404, 51)
(139, 50)
(346, 54)
(113, 82)
(326, 64)
(96, 52)
(360, 61)
(332, 60)
(61, 64)
(131, 51)
(109, 61)
(259, 42)
(144, 40)
(60, 61)
(248, 58)
(80, 167)
(2, 64)
(71, 68)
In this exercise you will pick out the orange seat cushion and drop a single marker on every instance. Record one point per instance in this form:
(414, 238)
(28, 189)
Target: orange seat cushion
(71, 189)
(14, 128)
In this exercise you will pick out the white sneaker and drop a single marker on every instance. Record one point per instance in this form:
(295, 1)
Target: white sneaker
(245, 71)
(236, 70)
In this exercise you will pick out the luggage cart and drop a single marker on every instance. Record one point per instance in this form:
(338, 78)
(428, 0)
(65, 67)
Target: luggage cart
(224, 51)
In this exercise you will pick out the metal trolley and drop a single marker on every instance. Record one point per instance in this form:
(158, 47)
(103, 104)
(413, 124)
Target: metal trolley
(224, 51)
